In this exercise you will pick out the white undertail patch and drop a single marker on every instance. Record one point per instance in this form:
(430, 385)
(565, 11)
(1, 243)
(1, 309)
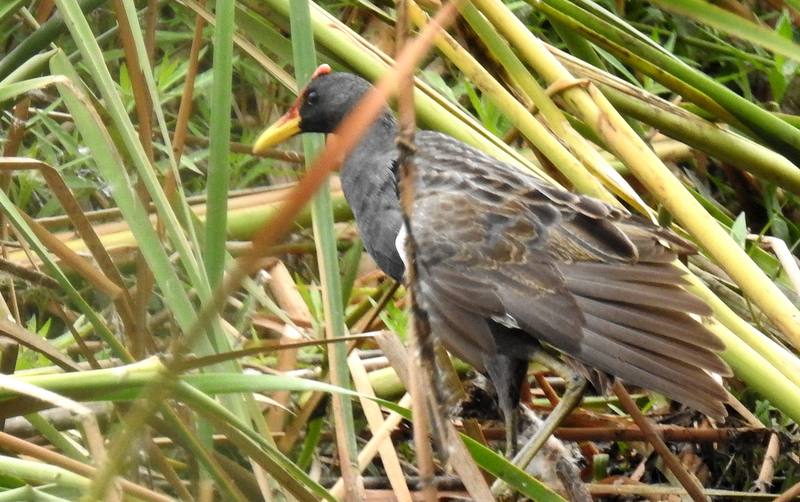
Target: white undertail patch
(400, 244)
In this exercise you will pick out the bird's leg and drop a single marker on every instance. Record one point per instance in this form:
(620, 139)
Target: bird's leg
(573, 393)
(512, 428)
(507, 375)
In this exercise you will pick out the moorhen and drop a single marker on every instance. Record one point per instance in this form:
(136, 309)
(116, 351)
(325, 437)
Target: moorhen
(507, 261)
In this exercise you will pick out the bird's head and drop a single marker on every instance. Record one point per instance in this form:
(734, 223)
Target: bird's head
(319, 107)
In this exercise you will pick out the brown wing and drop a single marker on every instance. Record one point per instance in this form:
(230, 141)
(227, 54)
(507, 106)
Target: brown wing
(569, 270)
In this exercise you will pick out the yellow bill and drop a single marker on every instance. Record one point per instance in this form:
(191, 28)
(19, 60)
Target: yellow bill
(286, 127)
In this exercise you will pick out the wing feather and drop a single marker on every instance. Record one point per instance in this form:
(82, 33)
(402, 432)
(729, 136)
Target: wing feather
(592, 281)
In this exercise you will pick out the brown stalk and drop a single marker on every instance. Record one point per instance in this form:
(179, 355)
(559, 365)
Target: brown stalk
(298, 424)
(421, 356)
(546, 389)
(145, 281)
(668, 433)
(74, 261)
(290, 301)
(185, 109)
(44, 9)
(689, 482)
(381, 433)
(767, 473)
(34, 342)
(660, 493)
(460, 459)
(110, 281)
(13, 141)
(19, 446)
(162, 464)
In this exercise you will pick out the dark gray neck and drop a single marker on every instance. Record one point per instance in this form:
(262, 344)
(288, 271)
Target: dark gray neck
(370, 187)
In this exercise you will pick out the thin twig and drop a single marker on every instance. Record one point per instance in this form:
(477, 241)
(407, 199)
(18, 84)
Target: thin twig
(421, 357)
(689, 482)
(764, 481)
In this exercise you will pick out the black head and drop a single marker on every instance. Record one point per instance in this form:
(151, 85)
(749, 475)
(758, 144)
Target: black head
(327, 99)
(319, 108)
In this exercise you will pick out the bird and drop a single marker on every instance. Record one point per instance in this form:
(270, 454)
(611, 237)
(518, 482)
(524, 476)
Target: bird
(508, 262)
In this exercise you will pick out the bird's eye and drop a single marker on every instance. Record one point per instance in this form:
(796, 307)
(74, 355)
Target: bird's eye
(312, 98)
